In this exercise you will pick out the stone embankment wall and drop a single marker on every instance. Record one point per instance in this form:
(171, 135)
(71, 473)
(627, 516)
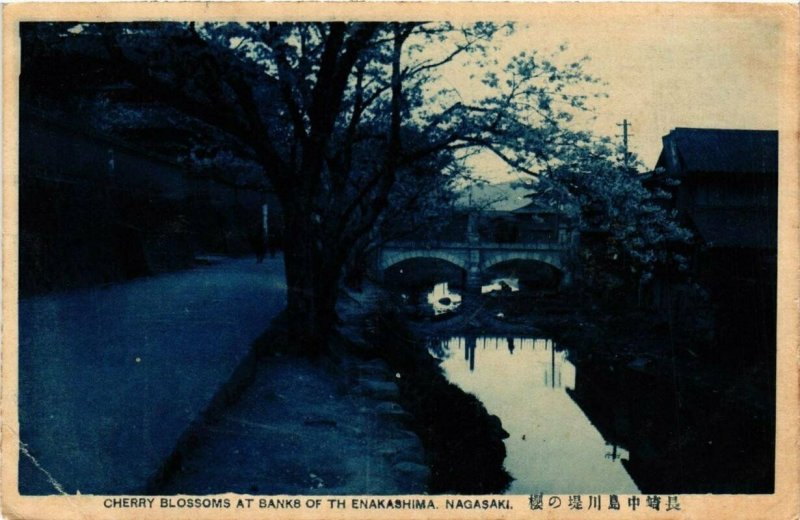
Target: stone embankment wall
(463, 442)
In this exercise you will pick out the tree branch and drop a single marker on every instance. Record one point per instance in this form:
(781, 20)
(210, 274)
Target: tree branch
(222, 118)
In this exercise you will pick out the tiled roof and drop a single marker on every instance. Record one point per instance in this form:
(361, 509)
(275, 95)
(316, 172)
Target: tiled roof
(721, 151)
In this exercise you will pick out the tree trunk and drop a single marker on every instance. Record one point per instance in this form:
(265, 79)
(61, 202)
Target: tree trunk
(312, 279)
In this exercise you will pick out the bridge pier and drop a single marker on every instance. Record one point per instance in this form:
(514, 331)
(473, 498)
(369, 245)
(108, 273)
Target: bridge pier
(473, 270)
(473, 282)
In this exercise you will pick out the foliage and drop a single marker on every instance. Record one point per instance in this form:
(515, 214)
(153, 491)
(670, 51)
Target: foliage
(347, 122)
(590, 183)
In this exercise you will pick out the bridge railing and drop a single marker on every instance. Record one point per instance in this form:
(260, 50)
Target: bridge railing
(442, 244)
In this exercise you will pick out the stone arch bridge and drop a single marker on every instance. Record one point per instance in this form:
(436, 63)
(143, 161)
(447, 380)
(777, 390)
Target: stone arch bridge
(476, 256)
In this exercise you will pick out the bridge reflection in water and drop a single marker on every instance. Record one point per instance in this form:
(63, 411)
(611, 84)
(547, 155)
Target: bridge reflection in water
(552, 446)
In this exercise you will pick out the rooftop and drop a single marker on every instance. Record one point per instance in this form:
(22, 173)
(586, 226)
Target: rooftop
(713, 150)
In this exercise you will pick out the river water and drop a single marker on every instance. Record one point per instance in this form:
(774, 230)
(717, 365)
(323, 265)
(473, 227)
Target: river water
(527, 382)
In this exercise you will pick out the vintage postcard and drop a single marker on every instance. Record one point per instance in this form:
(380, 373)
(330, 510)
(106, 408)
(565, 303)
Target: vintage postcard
(400, 260)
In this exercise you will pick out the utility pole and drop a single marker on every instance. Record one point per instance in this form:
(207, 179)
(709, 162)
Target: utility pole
(625, 124)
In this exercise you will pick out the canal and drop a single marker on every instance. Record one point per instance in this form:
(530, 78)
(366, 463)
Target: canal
(601, 409)
(527, 382)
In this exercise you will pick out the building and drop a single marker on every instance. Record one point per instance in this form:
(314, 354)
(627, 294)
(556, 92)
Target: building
(95, 208)
(724, 186)
(727, 187)
(114, 184)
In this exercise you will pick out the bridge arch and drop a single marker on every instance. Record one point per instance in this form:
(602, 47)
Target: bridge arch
(553, 259)
(393, 257)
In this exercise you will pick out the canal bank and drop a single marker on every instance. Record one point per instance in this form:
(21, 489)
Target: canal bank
(463, 442)
(300, 426)
(405, 405)
(676, 422)
(372, 417)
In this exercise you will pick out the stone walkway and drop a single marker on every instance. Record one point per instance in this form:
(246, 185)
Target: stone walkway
(305, 428)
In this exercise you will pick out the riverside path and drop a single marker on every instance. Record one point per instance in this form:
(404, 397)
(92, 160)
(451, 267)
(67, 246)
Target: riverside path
(110, 377)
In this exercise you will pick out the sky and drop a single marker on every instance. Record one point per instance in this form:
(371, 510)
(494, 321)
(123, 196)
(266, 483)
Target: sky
(664, 72)
(664, 67)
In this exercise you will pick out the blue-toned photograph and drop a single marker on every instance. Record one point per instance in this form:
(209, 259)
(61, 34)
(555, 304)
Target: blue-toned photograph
(519, 257)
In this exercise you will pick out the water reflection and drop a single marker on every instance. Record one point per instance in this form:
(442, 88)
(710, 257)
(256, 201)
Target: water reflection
(527, 382)
(501, 284)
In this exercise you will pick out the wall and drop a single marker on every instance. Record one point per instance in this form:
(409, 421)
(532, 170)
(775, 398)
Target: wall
(94, 210)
